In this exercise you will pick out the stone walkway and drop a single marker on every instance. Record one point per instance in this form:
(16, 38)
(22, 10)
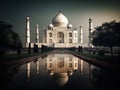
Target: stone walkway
(23, 60)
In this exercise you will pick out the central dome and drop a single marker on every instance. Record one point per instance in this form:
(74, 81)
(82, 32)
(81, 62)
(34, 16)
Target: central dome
(60, 20)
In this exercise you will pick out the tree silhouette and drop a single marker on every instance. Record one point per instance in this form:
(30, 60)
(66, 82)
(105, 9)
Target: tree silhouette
(107, 35)
(8, 38)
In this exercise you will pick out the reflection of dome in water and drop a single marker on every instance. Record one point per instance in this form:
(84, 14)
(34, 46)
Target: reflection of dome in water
(70, 72)
(61, 78)
(51, 72)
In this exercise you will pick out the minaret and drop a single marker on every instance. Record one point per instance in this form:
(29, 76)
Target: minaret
(90, 29)
(37, 33)
(27, 31)
(81, 34)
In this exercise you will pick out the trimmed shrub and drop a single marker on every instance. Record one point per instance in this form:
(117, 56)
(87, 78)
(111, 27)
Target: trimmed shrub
(101, 52)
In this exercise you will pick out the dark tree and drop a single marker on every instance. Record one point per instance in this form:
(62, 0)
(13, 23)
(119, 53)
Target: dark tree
(107, 35)
(8, 38)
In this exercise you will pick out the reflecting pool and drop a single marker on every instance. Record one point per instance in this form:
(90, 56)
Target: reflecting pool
(57, 71)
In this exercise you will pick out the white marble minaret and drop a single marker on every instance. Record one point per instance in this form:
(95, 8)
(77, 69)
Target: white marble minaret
(27, 31)
(90, 29)
(37, 33)
(81, 34)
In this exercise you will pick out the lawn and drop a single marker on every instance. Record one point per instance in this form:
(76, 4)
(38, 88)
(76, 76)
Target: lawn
(107, 58)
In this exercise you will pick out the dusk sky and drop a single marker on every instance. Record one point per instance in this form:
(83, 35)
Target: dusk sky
(42, 12)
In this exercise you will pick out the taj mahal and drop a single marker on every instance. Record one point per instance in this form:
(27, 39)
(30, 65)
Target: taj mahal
(59, 34)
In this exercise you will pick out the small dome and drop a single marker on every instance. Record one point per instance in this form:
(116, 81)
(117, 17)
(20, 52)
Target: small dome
(50, 25)
(60, 20)
(51, 72)
(27, 17)
(37, 25)
(70, 26)
(90, 19)
(70, 72)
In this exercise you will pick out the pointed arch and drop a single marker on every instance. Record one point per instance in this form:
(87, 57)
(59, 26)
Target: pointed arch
(60, 37)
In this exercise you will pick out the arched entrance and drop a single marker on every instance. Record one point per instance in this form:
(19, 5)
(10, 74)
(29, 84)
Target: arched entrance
(60, 37)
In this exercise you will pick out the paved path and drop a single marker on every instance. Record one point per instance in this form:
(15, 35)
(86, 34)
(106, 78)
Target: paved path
(23, 60)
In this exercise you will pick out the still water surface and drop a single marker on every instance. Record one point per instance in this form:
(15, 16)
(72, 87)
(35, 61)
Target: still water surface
(57, 71)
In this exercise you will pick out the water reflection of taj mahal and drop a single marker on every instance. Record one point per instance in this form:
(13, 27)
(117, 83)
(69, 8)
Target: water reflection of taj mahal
(58, 66)
(59, 63)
